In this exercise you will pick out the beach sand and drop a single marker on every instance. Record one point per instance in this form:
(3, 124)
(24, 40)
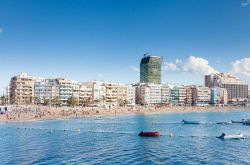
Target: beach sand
(34, 113)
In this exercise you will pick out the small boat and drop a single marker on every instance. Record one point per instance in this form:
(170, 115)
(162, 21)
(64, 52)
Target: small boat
(233, 136)
(224, 122)
(190, 122)
(235, 121)
(150, 134)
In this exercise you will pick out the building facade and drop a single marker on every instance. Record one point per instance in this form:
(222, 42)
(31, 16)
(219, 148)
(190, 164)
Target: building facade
(200, 96)
(150, 69)
(46, 89)
(67, 89)
(222, 96)
(150, 94)
(236, 89)
(131, 94)
(181, 95)
(213, 96)
(22, 89)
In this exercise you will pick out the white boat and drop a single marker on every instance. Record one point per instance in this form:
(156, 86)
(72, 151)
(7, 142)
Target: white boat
(224, 122)
(232, 136)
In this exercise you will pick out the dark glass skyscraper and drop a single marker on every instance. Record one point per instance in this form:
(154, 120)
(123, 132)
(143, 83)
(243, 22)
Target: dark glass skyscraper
(150, 69)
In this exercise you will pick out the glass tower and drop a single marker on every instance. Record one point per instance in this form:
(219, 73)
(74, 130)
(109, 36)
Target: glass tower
(150, 69)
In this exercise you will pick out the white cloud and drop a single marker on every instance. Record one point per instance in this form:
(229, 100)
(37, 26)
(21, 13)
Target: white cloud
(1, 30)
(198, 65)
(192, 64)
(170, 67)
(134, 68)
(241, 67)
(245, 3)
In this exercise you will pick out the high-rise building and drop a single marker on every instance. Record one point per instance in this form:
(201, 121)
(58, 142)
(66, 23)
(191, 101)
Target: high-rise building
(150, 69)
(236, 89)
(22, 89)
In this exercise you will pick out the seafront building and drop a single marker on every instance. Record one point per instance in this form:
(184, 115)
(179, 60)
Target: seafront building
(67, 89)
(131, 95)
(188, 101)
(237, 90)
(150, 69)
(219, 90)
(111, 90)
(22, 89)
(181, 95)
(201, 96)
(222, 97)
(151, 94)
(111, 94)
(85, 95)
(213, 96)
(46, 89)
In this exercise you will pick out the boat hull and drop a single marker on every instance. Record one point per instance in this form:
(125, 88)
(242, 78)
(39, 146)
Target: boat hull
(227, 137)
(150, 134)
(237, 121)
(224, 123)
(190, 122)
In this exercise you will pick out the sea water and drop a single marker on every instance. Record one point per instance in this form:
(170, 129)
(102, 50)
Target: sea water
(115, 140)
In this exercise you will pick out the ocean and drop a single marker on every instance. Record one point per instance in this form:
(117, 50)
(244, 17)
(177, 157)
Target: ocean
(115, 140)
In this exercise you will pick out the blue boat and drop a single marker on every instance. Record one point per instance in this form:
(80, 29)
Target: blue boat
(190, 122)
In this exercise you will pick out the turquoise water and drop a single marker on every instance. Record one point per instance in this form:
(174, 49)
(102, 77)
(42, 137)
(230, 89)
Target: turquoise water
(114, 140)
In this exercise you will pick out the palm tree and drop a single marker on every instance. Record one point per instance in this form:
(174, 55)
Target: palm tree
(56, 101)
(72, 101)
(46, 102)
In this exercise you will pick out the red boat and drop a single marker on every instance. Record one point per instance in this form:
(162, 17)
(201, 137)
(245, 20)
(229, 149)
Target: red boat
(149, 134)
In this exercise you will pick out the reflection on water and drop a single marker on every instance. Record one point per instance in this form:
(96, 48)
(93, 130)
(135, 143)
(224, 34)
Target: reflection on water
(114, 140)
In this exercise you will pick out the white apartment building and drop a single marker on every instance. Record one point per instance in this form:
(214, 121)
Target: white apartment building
(148, 94)
(67, 88)
(45, 89)
(131, 94)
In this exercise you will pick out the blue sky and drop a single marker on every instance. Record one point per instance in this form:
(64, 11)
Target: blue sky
(105, 39)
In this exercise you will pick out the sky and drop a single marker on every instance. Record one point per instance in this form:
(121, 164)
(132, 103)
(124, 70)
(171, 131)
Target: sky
(105, 39)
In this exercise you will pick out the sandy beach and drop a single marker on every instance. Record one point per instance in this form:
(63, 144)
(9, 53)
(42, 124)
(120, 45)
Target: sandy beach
(33, 113)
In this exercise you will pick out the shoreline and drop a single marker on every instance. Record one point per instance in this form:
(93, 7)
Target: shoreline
(41, 113)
